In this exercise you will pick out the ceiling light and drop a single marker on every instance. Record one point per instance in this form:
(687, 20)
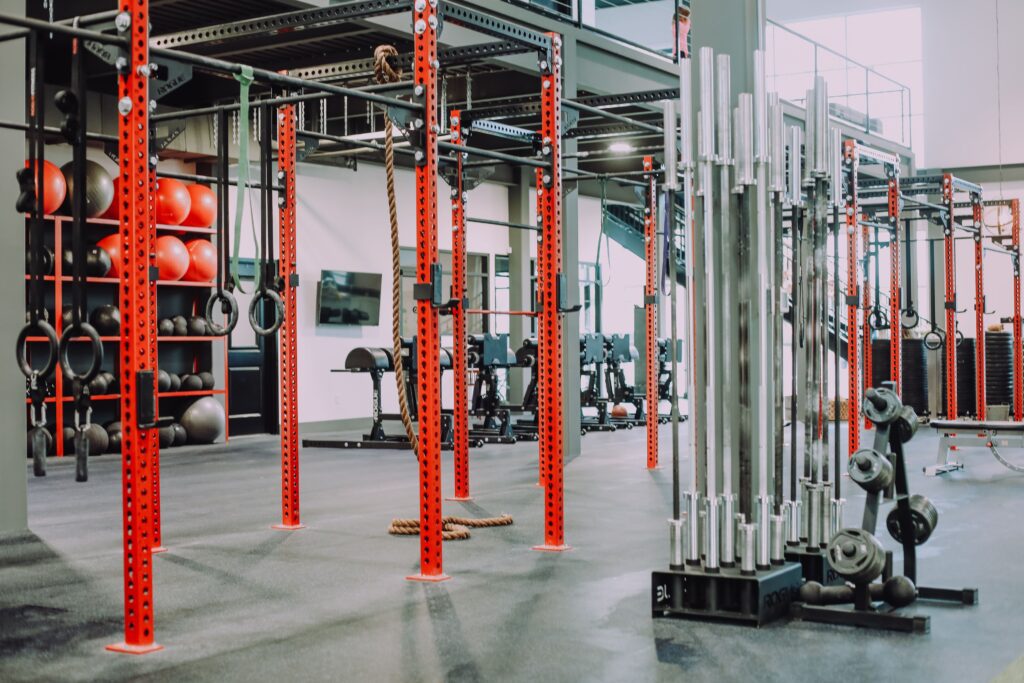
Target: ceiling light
(620, 148)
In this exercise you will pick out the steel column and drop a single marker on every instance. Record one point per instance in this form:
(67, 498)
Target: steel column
(651, 311)
(1018, 360)
(460, 418)
(950, 273)
(549, 317)
(868, 375)
(288, 337)
(895, 311)
(428, 342)
(140, 446)
(850, 166)
(979, 307)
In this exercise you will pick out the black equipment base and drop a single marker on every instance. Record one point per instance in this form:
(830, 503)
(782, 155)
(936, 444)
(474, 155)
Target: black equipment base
(814, 565)
(884, 618)
(727, 595)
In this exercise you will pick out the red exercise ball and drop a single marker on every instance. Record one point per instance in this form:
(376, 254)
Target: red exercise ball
(202, 261)
(173, 201)
(619, 411)
(171, 257)
(112, 245)
(55, 187)
(114, 210)
(204, 207)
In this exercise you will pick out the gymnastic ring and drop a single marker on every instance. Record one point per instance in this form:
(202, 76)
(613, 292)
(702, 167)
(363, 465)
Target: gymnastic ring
(74, 331)
(910, 315)
(52, 348)
(959, 338)
(877, 319)
(278, 312)
(228, 306)
(934, 345)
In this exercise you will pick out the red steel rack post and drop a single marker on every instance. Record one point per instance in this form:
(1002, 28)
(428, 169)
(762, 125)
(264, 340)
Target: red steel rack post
(542, 267)
(868, 362)
(140, 445)
(549, 317)
(428, 283)
(979, 306)
(289, 370)
(651, 311)
(895, 313)
(850, 167)
(1018, 358)
(950, 265)
(460, 418)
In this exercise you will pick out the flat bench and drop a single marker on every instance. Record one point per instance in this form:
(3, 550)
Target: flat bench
(990, 434)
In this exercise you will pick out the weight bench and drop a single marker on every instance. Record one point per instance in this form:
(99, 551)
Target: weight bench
(975, 434)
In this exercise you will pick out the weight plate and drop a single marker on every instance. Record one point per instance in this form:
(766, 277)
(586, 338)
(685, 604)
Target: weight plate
(856, 555)
(871, 470)
(924, 515)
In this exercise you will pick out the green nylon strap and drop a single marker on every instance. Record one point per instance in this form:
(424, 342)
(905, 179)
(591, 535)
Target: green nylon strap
(245, 79)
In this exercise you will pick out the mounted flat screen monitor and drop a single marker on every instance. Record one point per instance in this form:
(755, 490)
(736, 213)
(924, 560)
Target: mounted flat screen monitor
(346, 298)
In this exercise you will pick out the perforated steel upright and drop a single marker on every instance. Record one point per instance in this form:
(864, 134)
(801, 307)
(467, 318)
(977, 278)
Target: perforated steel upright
(950, 265)
(140, 445)
(460, 418)
(895, 325)
(288, 336)
(1018, 351)
(651, 310)
(979, 306)
(428, 274)
(850, 167)
(549, 317)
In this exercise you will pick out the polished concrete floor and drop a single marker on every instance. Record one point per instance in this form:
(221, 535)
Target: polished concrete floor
(236, 600)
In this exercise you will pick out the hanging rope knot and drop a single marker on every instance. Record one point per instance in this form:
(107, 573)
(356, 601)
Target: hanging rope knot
(383, 72)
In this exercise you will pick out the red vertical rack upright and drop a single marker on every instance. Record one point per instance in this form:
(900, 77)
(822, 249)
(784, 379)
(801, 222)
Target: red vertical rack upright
(868, 362)
(979, 306)
(428, 276)
(950, 266)
(850, 166)
(542, 267)
(460, 419)
(138, 362)
(651, 311)
(549, 320)
(1018, 360)
(288, 335)
(895, 312)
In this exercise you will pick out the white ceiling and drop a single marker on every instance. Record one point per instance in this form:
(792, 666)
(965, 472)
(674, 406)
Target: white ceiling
(796, 10)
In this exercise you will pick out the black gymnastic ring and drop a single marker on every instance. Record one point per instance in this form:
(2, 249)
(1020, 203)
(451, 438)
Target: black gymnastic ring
(910, 315)
(232, 312)
(278, 312)
(934, 346)
(959, 338)
(52, 346)
(877, 319)
(95, 363)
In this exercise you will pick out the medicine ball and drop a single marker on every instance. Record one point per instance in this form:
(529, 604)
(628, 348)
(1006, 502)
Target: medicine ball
(68, 435)
(66, 316)
(175, 382)
(112, 387)
(165, 328)
(47, 261)
(50, 446)
(55, 186)
(191, 383)
(98, 439)
(114, 439)
(204, 420)
(197, 326)
(207, 379)
(114, 210)
(99, 188)
(173, 203)
(202, 266)
(97, 262)
(619, 410)
(98, 385)
(180, 435)
(112, 245)
(203, 209)
(166, 437)
(180, 326)
(171, 257)
(107, 320)
(163, 381)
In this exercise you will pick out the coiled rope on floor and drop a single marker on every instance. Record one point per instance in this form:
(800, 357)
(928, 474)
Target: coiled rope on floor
(453, 528)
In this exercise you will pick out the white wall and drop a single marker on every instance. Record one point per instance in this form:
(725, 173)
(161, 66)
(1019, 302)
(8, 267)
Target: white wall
(961, 86)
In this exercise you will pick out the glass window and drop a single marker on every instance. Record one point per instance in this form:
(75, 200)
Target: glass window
(477, 290)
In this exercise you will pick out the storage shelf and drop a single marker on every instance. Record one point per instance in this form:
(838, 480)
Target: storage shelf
(162, 394)
(113, 223)
(118, 339)
(114, 281)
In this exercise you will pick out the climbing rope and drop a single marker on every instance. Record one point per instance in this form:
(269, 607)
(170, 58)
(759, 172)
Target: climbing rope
(453, 528)
(385, 73)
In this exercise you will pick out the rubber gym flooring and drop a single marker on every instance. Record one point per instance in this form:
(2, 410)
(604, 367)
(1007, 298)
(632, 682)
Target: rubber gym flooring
(237, 601)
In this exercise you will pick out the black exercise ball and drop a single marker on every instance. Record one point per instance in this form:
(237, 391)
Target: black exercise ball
(165, 328)
(180, 435)
(180, 326)
(208, 380)
(114, 426)
(197, 326)
(97, 262)
(191, 383)
(175, 382)
(107, 320)
(47, 261)
(98, 439)
(99, 385)
(114, 445)
(50, 446)
(166, 437)
(99, 188)
(163, 381)
(204, 420)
